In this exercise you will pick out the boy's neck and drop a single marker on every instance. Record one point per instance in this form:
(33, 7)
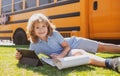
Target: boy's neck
(44, 38)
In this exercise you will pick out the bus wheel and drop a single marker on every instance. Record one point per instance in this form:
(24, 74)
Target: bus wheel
(20, 38)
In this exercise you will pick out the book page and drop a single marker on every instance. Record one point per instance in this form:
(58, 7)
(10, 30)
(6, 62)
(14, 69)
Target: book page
(71, 61)
(48, 61)
(67, 62)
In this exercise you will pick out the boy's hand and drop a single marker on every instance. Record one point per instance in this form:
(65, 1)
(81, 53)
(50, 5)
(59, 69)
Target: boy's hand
(54, 56)
(18, 55)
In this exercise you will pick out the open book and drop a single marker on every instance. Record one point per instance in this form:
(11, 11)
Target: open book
(67, 62)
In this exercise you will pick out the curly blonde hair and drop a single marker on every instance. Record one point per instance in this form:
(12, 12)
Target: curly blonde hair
(41, 19)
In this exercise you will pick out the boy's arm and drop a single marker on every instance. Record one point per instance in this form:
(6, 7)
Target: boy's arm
(65, 51)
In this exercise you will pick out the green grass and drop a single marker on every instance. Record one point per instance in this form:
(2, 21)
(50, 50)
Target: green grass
(9, 66)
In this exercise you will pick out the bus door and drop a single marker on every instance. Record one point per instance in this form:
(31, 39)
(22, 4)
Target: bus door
(104, 19)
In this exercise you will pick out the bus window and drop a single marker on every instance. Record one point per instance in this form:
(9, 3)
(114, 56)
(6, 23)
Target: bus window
(6, 6)
(60, 0)
(17, 5)
(45, 1)
(30, 3)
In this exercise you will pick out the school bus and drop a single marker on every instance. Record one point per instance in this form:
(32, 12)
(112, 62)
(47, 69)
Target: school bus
(94, 19)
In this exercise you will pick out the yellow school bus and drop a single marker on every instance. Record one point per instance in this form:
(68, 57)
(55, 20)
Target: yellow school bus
(94, 19)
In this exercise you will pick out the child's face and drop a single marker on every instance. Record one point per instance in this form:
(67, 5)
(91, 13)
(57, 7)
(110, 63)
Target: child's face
(40, 30)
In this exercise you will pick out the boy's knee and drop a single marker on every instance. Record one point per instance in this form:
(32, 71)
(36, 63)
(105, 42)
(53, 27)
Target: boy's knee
(76, 52)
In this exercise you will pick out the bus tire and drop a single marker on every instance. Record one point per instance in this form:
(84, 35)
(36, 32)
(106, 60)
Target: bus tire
(20, 38)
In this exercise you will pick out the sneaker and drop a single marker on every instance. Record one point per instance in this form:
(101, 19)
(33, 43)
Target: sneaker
(115, 63)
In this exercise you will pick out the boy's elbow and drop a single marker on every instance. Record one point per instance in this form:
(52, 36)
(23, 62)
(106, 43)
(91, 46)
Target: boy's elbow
(68, 47)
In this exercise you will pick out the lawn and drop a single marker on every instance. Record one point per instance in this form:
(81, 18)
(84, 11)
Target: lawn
(9, 66)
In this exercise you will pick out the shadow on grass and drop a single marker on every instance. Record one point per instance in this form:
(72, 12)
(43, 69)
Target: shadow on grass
(48, 70)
